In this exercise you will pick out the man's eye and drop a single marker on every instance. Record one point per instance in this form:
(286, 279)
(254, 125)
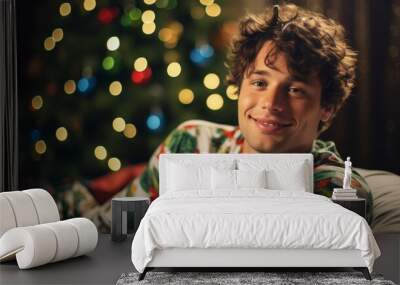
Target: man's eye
(259, 83)
(296, 91)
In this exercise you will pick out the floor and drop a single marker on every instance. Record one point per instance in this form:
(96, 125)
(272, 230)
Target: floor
(103, 266)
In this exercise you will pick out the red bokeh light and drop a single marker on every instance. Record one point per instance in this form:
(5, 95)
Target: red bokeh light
(107, 15)
(141, 77)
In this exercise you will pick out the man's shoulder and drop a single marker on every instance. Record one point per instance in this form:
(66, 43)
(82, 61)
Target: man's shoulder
(325, 152)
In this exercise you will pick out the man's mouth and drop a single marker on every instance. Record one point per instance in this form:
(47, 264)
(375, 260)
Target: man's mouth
(270, 126)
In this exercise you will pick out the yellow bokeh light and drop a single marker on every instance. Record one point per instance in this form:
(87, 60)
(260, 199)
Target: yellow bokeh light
(89, 5)
(211, 81)
(213, 10)
(100, 152)
(148, 16)
(114, 164)
(174, 69)
(65, 9)
(119, 124)
(61, 134)
(115, 88)
(140, 64)
(130, 131)
(215, 102)
(149, 2)
(206, 2)
(186, 96)
(166, 34)
(113, 43)
(40, 147)
(58, 34)
(231, 92)
(37, 102)
(69, 87)
(49, 43)
(148, 28)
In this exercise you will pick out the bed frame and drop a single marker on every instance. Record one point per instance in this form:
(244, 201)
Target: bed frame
(243, 259)
(246, 258)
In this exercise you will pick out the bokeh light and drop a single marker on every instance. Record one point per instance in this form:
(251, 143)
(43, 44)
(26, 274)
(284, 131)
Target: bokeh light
(148, 28)
(114, 164)
(69, 87)
(186, 96)
(113, 43)
(206, 2)
(100, 152)
(58, 34)
(40, 147)
(149, 2)
(108, 63)
(61, 134)
(37, 102)
(174, 69)
(231, 92)
(49, 43)
(153, 122)
(89, 5)
(148, 16)
(130, 131)
(115, 88)
(213, 10)
(83, 85)
(140, 64)
(65, 9)
(119, 124)
(211, 81)
(215, 102)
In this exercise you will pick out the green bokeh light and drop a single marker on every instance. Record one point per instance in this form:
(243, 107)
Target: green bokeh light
(108, 63)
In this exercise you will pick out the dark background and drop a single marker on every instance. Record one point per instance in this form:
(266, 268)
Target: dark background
(366, 128)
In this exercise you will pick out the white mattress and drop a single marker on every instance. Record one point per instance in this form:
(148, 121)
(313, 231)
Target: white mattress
(256, 218)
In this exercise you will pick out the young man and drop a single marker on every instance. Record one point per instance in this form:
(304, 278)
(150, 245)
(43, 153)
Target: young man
(293, 71)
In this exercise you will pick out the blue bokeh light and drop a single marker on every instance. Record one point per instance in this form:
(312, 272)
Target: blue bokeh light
(83, 85)
(153, 122)
(202, 55)
(35, 135)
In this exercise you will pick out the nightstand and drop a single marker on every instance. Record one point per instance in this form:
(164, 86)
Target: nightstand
(358, 205)
(127, 212)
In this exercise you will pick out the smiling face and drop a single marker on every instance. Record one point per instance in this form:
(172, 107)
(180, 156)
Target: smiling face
(278, 112)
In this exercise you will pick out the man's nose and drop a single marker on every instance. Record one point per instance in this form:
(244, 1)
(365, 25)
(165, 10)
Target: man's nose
(273, 99)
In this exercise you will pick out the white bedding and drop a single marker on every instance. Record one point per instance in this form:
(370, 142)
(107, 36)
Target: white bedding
(251, 218)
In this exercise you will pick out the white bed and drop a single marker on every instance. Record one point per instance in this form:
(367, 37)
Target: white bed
(201, 220)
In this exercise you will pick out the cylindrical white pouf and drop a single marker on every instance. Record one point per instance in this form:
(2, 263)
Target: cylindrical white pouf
(87, 235)
(45, 205)
(34, 245)
(67, 239)
(7, 218)
(23, 208)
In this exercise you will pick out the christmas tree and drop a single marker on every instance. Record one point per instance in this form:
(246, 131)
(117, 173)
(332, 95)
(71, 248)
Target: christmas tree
(109, 80)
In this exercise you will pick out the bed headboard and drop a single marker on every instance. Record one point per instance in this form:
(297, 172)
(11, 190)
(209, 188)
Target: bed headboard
(211, 158)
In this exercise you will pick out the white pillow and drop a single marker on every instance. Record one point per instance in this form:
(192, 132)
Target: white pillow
(223, 179)
(183, 178)
(235, 179)
(188, 175)
(281, 175)
(251, 178)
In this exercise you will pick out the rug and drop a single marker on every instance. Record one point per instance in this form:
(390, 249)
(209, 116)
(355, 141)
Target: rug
(243, 278)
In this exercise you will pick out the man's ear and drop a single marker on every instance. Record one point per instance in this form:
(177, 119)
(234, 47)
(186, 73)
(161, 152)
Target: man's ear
(326, 113)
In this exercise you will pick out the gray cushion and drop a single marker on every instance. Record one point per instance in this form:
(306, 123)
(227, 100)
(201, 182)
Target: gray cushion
(385, 188)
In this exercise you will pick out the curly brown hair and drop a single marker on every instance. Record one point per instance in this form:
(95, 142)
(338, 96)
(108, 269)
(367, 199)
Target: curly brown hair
(311, 43)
